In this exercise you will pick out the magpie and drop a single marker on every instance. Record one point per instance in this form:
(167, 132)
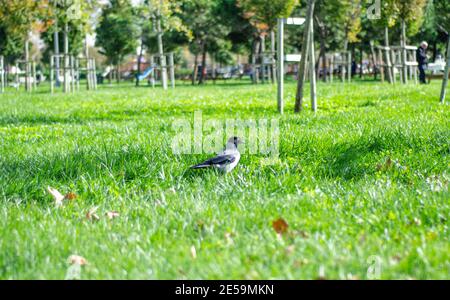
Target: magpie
(226, 160)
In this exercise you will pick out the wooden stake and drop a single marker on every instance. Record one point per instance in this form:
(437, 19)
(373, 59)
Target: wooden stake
(52, 70)
(172, 70)
(331, 68)
(2, 74)
(445, 80)
(33, 75)
(280, 67)
(152, 74)
(161, 48)
(404, 54)
(272, 49)
(349, 66)
(312, 73)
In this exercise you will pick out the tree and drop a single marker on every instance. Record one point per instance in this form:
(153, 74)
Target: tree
(330, 20)
(263, 15)
(118, 32)
(79, 24)
(352, 21)
(11, 45)
(162, 30)
(204, 19)
(18, 19)
(164, 17)
(435, 27)
(408, 12)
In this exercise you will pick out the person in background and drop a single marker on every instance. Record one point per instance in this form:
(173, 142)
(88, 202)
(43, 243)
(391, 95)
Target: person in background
(422, 60)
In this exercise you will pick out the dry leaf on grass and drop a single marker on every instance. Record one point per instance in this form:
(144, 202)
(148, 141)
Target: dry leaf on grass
(229, 238)
(386, 166)
(57, 196)
(77, 260)
(92, 214)
(112, 214)
(280, 226)
(70, 196)
(290, 249)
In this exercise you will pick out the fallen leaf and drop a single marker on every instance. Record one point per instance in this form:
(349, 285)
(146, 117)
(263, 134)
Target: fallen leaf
(395, 259)
(386, 166)
(70, 196)
(290, 249)
(57, 196)
(112, 214)
(91, 214)
(77, 260)
(301, 262)
(352, 277)
(321, 273)
(280, 226)
(193, 252)
(229, 238)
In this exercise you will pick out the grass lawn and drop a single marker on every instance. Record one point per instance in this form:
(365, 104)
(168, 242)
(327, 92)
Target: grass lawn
(362, 185)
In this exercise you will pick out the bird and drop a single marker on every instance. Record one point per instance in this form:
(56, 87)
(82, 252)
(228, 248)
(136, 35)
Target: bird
(225, 161)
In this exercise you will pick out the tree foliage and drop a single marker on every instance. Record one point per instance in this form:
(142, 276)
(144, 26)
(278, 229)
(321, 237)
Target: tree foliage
(118, 31)
(18, 19)
(263, 14)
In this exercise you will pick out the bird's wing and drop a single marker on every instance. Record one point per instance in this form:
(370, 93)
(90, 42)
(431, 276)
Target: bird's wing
(221, 159)
(218, 160)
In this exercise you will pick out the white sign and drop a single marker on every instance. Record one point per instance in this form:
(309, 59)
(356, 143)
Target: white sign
(293, 57)
(295, 21)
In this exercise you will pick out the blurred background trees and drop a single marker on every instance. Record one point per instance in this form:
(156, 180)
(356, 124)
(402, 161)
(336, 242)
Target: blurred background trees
(222, 32)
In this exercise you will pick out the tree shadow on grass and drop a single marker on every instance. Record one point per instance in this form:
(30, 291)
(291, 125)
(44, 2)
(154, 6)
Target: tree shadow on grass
(350, 160)
(346, 160)
(138, 167)
(128, 115)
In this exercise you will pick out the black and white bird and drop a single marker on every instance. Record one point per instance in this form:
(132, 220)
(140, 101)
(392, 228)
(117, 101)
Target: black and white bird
(226, 160)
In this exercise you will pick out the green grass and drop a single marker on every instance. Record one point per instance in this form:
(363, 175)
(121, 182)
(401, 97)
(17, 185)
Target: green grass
(345, 204)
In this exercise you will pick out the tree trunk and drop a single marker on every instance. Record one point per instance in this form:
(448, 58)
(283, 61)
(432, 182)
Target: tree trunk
(361, 61)
(89, 78)
(66, 58)
(141, 51)
(262, 49)
(203, 73)
(404, 69)
(272, 49)
(389, 70)
(162, 58)
(435, 50)
(56, 50)
(323, 51)
(445, 80)
(344, 68)
(195, 71)
(374, 60)
(322, 55)
(111, 74)
(213, 70)
(255, 51)
(27, 68)
(303, 62)
(118, 73)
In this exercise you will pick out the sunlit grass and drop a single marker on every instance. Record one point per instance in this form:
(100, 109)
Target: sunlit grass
(365, 177)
